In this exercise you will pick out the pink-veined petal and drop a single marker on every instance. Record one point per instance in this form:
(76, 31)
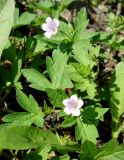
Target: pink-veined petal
(65, 102)
(55, 31)
(74, 98)
(80, 103)
(48, 34)
(56, 21)
(76, 112)
(49, 21)
(44, 27)
(67, 110)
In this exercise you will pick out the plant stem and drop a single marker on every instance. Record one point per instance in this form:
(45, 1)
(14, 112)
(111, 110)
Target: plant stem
(14, 155)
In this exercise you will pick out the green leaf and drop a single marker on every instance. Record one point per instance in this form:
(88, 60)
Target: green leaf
(80, 24)
(45, 6)
(63, 4)
(56, 66)
(81, 69)
(83, 131)
(80, 74)
(81, 18)
(56, 97)
(9, 52)
(88, 151)
(23, 118)
(44, 151)
(91, 89)
(25, 137)
(25, 19)
(66, 81)
(80, 49)
(6, 20)
(37, 80)
(16, 69)
(87, 85)
(16, 15)
(34, 114)
(34, 104)
(104, 35)
(18, 85)
(92, 113)
(69, 121)
(101, 111)
(24, 101)
(73, 73)
(34, 46)
(30, 105)
(84, 49)
(111, 151)
(65, 33)
(39, 120)
(89, 34)
(47, 110)
(117, 96)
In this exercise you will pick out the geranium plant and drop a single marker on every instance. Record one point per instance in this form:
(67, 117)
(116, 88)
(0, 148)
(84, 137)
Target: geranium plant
(58, 100)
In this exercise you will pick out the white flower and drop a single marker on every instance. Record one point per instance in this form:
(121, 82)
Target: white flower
(73, 105)
(50, 27)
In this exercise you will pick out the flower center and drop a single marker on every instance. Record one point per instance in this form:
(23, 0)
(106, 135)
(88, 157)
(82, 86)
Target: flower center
(52, 27)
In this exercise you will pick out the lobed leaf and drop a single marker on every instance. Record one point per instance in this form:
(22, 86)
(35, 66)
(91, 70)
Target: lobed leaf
(33, 114)
(37, 80)
(25, 137)
(83, 131)
(111, 151)
(22, 118)
(80, 24)
(23, 100)
(89, 151)
(56, 67)
(56, 97)
(25, 19)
